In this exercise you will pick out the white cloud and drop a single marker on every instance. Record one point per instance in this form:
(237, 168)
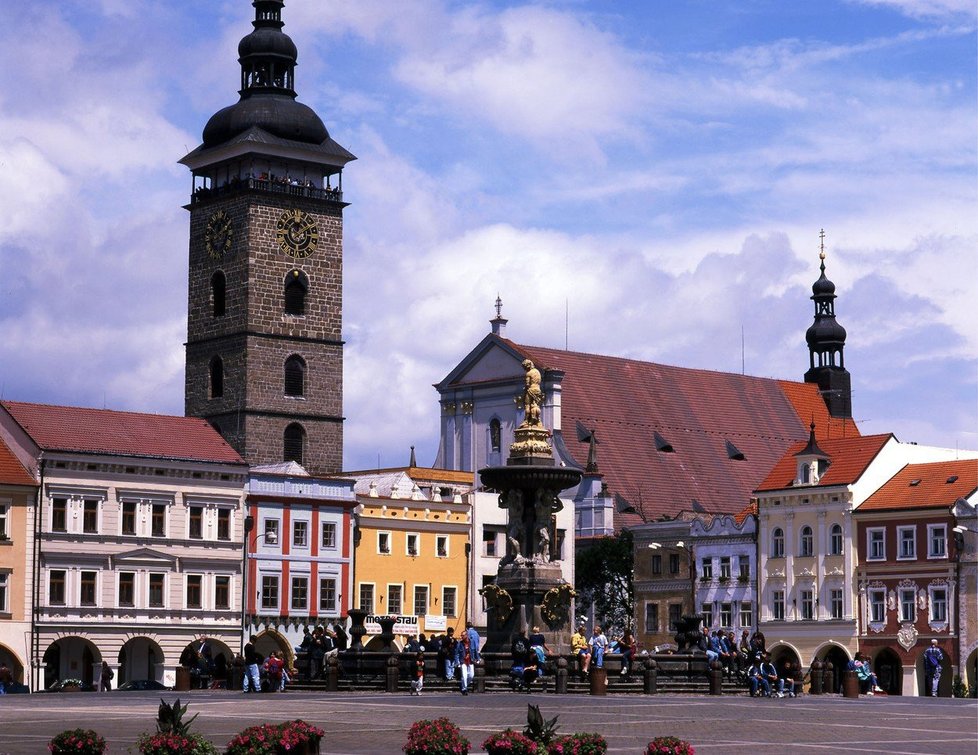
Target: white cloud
(926, 8)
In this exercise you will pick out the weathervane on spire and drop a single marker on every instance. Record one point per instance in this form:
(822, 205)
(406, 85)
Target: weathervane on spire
(821, 247)
(499, 306)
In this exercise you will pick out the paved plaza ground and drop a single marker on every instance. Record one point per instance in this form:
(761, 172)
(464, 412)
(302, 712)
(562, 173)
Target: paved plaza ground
(376, 723)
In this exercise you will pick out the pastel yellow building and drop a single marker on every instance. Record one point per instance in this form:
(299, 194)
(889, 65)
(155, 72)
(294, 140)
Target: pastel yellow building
(18, 495)
(413, 553)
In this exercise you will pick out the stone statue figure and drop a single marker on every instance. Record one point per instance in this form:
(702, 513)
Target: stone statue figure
(532, 394)
(512, 501)
(543, 509)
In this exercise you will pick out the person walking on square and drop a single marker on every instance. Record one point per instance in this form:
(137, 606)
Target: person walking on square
(465, 660)
(252, 660)
(933, 656)
(107, 674)
(417, 684)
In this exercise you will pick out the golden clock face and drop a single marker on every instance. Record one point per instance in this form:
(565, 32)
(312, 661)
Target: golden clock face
(296, 233)
(219, 234)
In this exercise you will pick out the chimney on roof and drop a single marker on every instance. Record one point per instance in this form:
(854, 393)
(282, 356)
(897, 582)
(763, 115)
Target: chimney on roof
(499, 322)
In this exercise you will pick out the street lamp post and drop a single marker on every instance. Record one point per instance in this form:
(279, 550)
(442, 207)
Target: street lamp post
(270, 537)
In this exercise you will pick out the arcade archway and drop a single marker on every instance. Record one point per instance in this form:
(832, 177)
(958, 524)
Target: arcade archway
(70, 658)
(140, 658)
(8, 658)
(838, 659)
(889, 671)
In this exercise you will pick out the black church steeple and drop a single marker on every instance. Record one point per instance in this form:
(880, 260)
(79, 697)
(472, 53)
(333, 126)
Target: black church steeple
(826, 343)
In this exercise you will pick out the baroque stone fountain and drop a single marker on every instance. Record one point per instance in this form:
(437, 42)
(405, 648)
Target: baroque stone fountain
(529, 589)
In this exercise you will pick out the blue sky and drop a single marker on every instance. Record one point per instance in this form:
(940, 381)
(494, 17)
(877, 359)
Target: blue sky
(651, 177)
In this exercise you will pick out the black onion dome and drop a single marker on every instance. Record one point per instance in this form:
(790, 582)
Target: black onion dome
(278, 115)
(823, 286)
(825, 331)
(268, 41)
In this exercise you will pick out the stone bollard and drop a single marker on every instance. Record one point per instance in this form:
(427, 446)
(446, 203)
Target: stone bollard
(850, 684)
(715, 675)
(816, 688)
(479, 682)
(393, 671)
(650, 677)
(828, 679)
(560, 680)
(332, 674)
(598, 681)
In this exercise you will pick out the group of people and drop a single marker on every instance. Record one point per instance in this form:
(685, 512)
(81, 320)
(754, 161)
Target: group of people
(320, 643)
(593, 648)
(764, 680)
(529, 659)
(264, 674)
(456, 656)
(735, 657)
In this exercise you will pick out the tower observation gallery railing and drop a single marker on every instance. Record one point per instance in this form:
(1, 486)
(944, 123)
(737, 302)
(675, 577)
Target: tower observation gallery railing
(269, 185)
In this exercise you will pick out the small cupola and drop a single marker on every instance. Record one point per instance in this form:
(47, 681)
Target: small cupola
(812, 461)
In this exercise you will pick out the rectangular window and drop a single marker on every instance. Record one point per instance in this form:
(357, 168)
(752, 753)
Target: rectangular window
(412, 544)
(156, 590)
(420, 600)
(877, 606)
(384, 542)
(651, 618)
(725, 567)
(777, 605)
(128, 517)
(329, 535)
(59, 515)
(936, 541)
(127, 589)
(366, 598)
(90, 517)
(907, 538)
(489, 537)
(271, 531)
(56, 587)
(224, 524)
(159, 520)
(726, 615)
(327, 596)
(222, 593)
(807, 605)
(876, 544)
(558, 546)
(674, 563)
(194, 592)
(675, 614)
(393, 599)
(448, 601)
(195, 530)
(269, 593)
(3, 522)
(746, 615)
(441, 546)
(706, 611)
(938, 605)
(743, 566)
(656, 563)
(835, 602)
(4, 606)
(300, 594)
(908, 605)
(706, 570)
(300, 534)
(86, 596)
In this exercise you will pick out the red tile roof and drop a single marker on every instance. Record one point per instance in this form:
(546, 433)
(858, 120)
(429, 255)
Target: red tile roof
(12, 472)
(706, 417)
(749, 510)
(924, 486)
(102, 431)
(848, 459)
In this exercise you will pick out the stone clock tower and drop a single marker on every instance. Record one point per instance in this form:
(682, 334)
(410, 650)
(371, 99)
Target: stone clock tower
(264, 332)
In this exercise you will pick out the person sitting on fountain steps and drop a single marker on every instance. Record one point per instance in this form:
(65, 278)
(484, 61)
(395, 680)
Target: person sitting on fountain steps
(582, 650)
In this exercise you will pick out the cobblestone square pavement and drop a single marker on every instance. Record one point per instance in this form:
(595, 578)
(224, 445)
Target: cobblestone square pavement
(377, 723)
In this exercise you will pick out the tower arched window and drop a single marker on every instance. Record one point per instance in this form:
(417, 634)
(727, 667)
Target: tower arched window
(293, 443)
(217, 377)
(807, 542)
(777, 543)
(295, 376)
(296, 287)
(218, 294)
(495, 435)
(835, 540)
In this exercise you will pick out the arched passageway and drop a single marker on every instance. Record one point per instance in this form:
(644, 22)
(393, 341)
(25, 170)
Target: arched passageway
(140, 658)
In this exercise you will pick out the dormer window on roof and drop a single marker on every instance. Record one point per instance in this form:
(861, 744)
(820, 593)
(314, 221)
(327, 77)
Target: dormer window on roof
(952, 479)
(733, 452)
(661, 444)
(915, 482)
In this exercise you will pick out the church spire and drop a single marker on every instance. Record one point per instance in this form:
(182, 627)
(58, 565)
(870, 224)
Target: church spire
(826, 343)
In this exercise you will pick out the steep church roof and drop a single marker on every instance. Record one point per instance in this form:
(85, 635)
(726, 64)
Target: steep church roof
(665, 433)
